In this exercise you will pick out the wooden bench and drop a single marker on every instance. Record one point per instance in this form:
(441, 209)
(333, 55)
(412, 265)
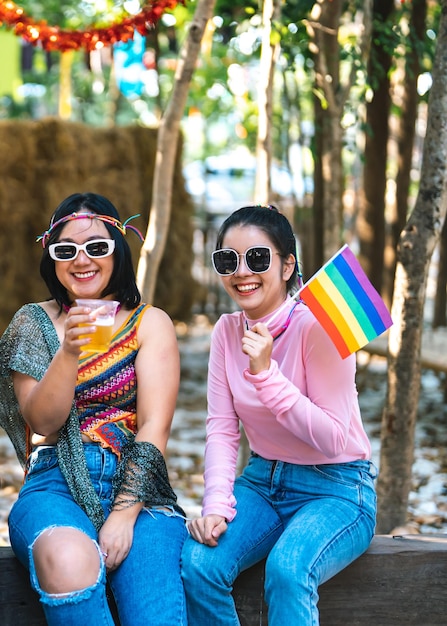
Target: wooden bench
(398, 581)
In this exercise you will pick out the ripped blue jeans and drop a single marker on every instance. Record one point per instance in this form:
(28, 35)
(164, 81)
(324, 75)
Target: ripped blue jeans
(146, 586)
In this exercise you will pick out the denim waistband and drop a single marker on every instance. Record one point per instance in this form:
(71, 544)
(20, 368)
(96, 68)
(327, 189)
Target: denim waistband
(46, 451)
(365, 464)
(48, 448)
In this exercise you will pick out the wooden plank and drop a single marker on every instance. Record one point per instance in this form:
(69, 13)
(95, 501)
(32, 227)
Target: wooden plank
(248, 594)
(19, 604)
(399, 580)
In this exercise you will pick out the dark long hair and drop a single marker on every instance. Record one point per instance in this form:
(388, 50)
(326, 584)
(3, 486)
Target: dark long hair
(122, 284)
(274, 224)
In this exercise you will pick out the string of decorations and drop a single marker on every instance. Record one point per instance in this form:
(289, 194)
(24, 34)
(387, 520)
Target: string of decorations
(52, 37)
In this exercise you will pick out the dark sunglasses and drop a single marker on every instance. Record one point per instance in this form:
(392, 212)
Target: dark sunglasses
(258, 259)
(68, 251)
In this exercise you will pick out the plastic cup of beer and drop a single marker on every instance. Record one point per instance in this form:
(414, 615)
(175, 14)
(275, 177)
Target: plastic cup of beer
(104, 312)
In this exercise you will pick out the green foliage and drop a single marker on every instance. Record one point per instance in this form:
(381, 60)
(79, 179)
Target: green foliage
(293, 30)
(76, 14)
(397, 38)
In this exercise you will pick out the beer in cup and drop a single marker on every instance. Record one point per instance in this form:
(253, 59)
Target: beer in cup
(104, 312)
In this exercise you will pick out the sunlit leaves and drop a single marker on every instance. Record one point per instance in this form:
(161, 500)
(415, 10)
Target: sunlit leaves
(79, 13)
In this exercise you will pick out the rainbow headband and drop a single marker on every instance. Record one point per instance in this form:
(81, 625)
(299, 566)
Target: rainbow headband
(107, 219)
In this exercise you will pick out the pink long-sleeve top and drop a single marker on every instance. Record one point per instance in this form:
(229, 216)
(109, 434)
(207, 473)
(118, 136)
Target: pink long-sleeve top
(304, 409)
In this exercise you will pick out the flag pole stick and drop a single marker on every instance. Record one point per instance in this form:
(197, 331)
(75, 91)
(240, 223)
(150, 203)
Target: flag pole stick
(283, 306)
(297, 293)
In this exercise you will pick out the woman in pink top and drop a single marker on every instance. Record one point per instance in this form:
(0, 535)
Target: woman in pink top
(306, 499)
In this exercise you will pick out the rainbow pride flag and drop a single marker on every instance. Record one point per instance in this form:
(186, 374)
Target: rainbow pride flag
(345, 303)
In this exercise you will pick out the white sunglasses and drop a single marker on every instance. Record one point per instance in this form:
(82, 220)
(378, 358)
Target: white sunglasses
(68, 251)
(258, 260)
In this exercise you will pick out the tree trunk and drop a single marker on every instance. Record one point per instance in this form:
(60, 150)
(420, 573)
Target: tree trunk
(370, 221)
(439, 309)
(269, 51)
(318, 211)
(416, 245)
(327, 78)
(323, 29)
(160, 213)
(405, 140)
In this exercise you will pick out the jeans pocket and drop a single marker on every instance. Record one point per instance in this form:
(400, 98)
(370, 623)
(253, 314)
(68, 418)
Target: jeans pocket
(40, 460)
(342, 473)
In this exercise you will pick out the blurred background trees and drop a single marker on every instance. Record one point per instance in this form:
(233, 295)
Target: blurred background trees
(347, 85)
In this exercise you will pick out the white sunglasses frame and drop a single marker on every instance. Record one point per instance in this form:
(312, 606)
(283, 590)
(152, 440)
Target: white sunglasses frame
(244, 254)
(81, 247)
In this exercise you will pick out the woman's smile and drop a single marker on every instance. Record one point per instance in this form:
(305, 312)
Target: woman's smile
(247, 288)
(84, 275)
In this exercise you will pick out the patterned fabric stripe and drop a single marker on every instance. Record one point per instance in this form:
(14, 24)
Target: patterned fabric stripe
(107, 388)
(108, 436)
(93, 419)
(96, 364)
(98, 385)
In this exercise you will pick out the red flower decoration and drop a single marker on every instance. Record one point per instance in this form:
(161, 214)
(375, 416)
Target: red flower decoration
(55, 38)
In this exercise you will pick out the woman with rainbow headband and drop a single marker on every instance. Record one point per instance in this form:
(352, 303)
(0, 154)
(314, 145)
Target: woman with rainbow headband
(91, 429)
(306, 500)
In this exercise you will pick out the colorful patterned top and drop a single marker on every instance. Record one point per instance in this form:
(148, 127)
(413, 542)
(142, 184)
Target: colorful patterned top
(106, 389)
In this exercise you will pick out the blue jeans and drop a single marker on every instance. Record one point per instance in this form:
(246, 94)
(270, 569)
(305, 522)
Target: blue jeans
(147, 586)
(309, 521)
